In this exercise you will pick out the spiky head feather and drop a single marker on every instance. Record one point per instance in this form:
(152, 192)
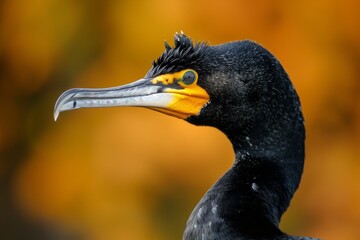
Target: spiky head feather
(183, 55)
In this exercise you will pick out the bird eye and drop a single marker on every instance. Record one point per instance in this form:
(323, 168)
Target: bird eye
(189, 77)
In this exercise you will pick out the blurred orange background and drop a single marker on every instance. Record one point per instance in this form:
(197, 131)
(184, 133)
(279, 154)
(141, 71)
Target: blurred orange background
(130, 173)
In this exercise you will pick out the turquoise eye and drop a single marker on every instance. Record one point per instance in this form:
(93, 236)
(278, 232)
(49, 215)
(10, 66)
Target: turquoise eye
(189, 77)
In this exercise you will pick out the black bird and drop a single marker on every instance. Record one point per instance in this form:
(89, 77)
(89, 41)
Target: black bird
(241, 89)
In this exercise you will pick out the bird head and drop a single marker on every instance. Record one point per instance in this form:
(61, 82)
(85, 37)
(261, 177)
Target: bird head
(233, 86)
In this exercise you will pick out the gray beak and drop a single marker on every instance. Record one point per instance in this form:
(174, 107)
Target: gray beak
(140, 93)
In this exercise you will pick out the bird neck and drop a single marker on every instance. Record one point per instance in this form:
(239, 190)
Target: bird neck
(257, 189)
(270, 159)
(267, 169)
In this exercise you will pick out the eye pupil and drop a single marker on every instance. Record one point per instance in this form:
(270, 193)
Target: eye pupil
(189, 77)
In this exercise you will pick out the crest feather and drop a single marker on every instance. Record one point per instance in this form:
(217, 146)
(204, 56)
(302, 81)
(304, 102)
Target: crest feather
(182, 55)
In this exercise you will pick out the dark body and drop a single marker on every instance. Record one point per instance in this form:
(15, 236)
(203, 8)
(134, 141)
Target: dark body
(254, 103)
(241, 89)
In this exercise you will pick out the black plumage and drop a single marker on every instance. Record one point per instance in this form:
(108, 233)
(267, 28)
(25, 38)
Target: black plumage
(253, 102)
(184, 55)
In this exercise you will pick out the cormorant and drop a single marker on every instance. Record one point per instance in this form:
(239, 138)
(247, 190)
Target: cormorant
(241, 89)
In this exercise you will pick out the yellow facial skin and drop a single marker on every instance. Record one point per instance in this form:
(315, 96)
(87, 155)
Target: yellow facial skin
(188, 99)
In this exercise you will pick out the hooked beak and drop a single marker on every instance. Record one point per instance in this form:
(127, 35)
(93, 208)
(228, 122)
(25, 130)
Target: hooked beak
(175, 99)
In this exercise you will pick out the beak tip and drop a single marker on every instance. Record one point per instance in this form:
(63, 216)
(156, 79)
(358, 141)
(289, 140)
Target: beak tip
(56, 115)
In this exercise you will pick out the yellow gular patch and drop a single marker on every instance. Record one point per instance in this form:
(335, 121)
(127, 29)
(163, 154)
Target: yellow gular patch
(188, 97)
